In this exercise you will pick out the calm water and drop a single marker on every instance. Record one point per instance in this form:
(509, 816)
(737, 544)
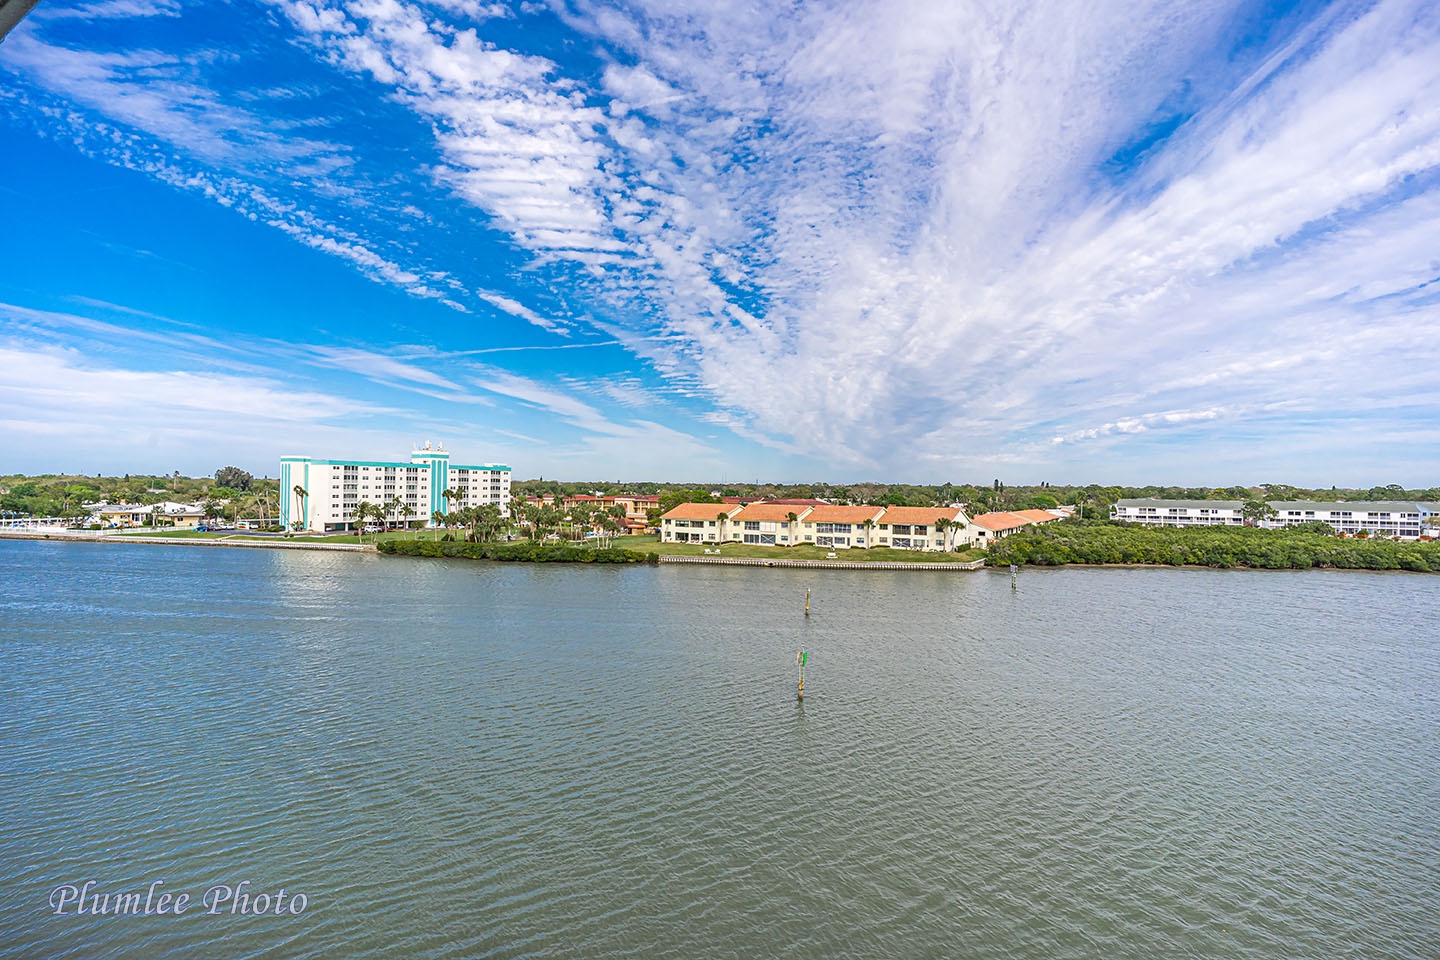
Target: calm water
(453, 759)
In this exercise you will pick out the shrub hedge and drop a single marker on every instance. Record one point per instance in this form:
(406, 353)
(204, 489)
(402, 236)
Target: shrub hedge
(514, 552)
(1075, 541)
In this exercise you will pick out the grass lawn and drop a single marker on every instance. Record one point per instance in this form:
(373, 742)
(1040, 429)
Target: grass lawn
(169, 534)
(281, 538)
(802, 551)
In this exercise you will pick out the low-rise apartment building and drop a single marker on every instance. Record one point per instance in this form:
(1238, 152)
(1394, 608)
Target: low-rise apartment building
(922, 528)
(840, 527)
(697, 523)
(1178, 513)
(1377, 518)
(1374, 518)
(329, 490)
(822, 525)
(985, 528)
(182, 516)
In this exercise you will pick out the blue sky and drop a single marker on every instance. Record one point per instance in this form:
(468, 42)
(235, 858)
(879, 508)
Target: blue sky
(904, 240)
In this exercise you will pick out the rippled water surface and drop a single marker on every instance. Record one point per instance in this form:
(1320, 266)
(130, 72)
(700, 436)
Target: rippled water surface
(452, 759)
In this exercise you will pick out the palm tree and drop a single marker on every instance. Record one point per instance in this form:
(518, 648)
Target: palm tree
(409, 512)
(616, 516)
(519, 510)
(392, 507)
(941, 526)
(301, 493)
(486, 521)
(449, 494)
(362, 510)
(581, 515)
(869, 525)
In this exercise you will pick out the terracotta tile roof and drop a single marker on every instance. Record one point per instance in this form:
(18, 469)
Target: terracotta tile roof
(926, 515)
(797, 501)
(700, 511)
(1036, 516)
(997, 522)
(830, 513)
(770, 511)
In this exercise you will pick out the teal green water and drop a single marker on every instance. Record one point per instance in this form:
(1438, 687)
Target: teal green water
(458, 759)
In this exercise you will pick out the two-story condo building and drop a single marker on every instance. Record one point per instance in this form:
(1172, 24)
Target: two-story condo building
(822, 525)
(985, 528)
(329, 490)
(697, 523)
(1178, 513)
(1376, 518)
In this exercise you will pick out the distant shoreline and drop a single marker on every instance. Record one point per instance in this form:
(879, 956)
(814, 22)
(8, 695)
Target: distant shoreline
(92, 536)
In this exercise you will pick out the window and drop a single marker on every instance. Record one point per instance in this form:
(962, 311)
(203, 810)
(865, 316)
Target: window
(901, 542)
(902, 529)
(920, 530)
(752, 524)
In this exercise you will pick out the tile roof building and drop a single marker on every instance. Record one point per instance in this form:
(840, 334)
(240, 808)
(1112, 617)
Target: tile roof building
(823, 525)
(986, 528)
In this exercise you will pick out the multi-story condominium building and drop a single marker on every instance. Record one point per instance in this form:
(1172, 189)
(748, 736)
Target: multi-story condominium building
(1374, 517)
(329, 490)
(1178, 513)
(823, 525)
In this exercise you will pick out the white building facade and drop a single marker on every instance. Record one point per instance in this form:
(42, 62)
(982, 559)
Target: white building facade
(822, 525)
(1377, 518)
(329, 490)
(1179, 513)
(1373, 517)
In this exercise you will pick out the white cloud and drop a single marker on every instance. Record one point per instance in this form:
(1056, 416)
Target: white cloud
(107, 9)
(517, 309)
(895, 232)
(157, 92)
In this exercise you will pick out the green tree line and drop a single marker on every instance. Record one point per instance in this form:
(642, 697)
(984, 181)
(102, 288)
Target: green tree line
(521, 552)
(1077, 541)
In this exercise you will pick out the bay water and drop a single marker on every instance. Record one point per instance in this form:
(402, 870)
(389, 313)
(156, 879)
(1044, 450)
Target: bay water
(439, 758)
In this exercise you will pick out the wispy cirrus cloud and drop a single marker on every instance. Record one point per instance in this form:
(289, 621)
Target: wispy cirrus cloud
(517, 309)
(888, 233)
